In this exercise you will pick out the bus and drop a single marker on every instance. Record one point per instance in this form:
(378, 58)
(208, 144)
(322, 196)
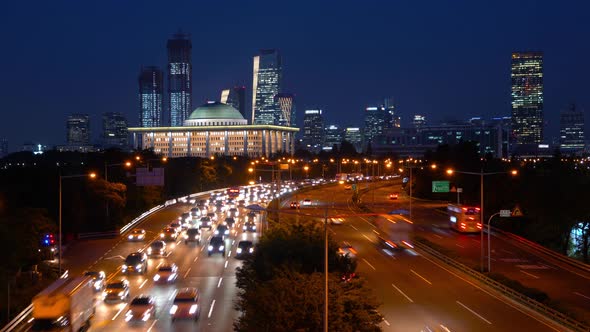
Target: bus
(233, 192)
(465, 219)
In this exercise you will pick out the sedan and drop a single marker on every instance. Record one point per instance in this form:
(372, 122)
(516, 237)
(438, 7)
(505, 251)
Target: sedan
(222, 230)
(393, 196)
(230, 222)
(245, 248)
(166, 273)
(98, 279)
(141, 309)
(169, 234)
(137, 234)
(294, 205)
(157, 248)
(205, 222)
(249, 226)
(307, 202)
(116, 291)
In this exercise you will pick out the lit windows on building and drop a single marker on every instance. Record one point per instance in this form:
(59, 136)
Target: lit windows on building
(527, 97)
(571, 132)
(78, 129)
(151, 90)
(267, 75)
(114, 126)
(313, 130)
(179, 78)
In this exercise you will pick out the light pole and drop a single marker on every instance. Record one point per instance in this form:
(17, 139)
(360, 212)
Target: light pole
(489, 243)
(61, 177)
(106, 178)
(326, 270)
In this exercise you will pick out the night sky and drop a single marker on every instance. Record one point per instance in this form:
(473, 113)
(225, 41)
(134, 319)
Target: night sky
(443, 59)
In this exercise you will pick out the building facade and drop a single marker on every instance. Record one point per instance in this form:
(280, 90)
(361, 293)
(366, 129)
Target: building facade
(333, 136)
(179, 78)
(78, 129)
(377, 120)
(266, 84)
(571, 132)
(216, 129)
(313, 130)
(287, 106)
(114, 130)
(151, 96)
(354, 136)
(235, 97)
(527, 97)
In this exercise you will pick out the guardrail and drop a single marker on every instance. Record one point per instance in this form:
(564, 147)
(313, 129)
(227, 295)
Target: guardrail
(562, 258)
(552, 314)
(96, 235)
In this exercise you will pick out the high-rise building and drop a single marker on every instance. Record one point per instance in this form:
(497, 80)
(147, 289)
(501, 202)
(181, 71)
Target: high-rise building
(151, 93)
(419, 121)
(78, 129)
(179, 78)
(3, 147)
(266, 85)
(571, 133)
(287, 107)
(235, 97)
(333, 136)
(313, 130)
(354, 136)
(394, 118)
(377, 119)
(114, 130)
(527, 97)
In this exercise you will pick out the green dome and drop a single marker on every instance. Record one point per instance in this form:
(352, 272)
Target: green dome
(215, 111)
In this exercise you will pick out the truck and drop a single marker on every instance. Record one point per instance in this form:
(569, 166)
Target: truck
(66, 305)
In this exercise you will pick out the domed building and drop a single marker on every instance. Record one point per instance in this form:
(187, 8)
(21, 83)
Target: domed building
(215, 129)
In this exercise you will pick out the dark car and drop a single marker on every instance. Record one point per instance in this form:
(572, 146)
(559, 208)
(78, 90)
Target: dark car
(230, 222)
(249, 226)
(205, 222)
(216, 245)
(222, 230)
(195, 212)
(141, 309)
(244, 249)
(212, 216)
(157, 248)
(169, 234)
(294, 205)
(135, 262)
(192, 235)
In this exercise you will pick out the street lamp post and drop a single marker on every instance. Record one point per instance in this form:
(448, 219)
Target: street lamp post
(61, 177)
(489, 243)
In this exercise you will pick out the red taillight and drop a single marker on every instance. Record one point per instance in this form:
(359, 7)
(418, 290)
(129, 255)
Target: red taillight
(476, 209)
(463, 226)
(479, 225)
(471, 218)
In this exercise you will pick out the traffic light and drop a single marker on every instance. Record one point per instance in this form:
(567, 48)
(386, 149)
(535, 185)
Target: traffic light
(48, 240)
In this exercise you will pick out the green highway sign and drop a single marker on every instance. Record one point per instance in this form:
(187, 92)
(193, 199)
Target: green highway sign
(440, 186)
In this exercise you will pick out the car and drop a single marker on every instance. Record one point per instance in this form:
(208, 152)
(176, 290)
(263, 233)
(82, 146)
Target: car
(195, 212)
(347, 187)
(141, 309)
(177, 225)
(222, 230)
(346, 249)
(219, 207)
(137, 234)
(294, 205)
(241, 202)
(116, 291)
(98, 279)
(157, 248)
(307, 202)
(201, 203)
(336, 221)
(230, 222)
(234, 212)
(192, 235)
(249, 226)
(169, 234)
(251, 216)
(216, 245)
(393, 196)
(135, 262)
(205, 222)
(186, 304)
(212, 216)
(166, 273)
(244, 249)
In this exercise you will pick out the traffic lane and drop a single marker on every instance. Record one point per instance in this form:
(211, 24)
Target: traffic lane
(438, 296)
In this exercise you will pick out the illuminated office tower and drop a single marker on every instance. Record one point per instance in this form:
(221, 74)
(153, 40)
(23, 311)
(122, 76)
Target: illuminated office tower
(571, 132)
(78, 129)
(377, 119)
(527, 97)
(287, 107)
(151, 93)
(114, 130)
(179, 78)
(266, 84)
(332, 137)
(235, 97)
(354, 136)
(313, 130)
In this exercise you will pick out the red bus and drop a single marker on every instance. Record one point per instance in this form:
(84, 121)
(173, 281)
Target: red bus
(464, 219)
(233, 192)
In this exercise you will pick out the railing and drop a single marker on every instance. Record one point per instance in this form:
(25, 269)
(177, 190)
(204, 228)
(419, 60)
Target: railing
(548, 312)
(96, 235)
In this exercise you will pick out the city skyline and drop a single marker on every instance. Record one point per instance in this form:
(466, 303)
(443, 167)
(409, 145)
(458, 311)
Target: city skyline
(334, 73)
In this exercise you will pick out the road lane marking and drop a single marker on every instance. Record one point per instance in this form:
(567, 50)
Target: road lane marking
(186, 273)
(402, 293)
(143, 283)
(119, 312)
(219, 283)
(473, 312)
(582, 295)
(386, 322)
(211, 309)
(530, 274)
(369, 264)
(421, 277)
(194, 260)
(353, 227)
(438, 236)
(229, 253)
(368, 238)
(460, 246)
(225, 266)
(151, 326)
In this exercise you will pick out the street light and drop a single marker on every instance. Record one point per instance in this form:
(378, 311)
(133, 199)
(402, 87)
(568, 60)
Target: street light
(306, 169)
(61, 177)
(481, 196)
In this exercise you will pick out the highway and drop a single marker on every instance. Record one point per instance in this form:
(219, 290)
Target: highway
(563, 283)
(416, 291)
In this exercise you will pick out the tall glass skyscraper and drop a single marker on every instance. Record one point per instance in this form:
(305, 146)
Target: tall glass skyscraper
(78, 129)
(265, 86)
(179, 78)
(313, 130)
(377, 119)
(235, 97)
(151, 90)
(114, 130)
(287, 107)
(571, 133)
(527, 97)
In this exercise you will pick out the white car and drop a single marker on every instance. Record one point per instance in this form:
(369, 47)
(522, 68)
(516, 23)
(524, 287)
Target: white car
(166, 273)
(307, 202)
(137, 234)
(186, 305)
(336, 221)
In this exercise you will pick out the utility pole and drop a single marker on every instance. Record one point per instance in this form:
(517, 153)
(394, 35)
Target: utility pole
(326, 270)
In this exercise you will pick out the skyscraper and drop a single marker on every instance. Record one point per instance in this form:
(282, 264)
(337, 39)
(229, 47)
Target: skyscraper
(287, 107)
(354, 136)
(419, 121)
(151, 90)
(78, 129)
(313, 130)
(394, 118)
(571, 132)
(265, 86)
(332, 137)
(179, 78)
(114, 130)
(235, 97)
(377, 119)
(527, 97)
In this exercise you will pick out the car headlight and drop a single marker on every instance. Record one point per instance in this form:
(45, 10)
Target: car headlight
(251, 250)
(146, 316)
(186, 236)
(97, 285)
(149, 251)
(226, 231)
(171, 277)
(244, 228)
(130, 237)
(210, 248)
(124, 267)
(173, 309)
(193, 309)
(220, 247)
(161, 235)
(156, 277)
(253, 227)
(120, 293)
(239, 250)
(138, 267)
